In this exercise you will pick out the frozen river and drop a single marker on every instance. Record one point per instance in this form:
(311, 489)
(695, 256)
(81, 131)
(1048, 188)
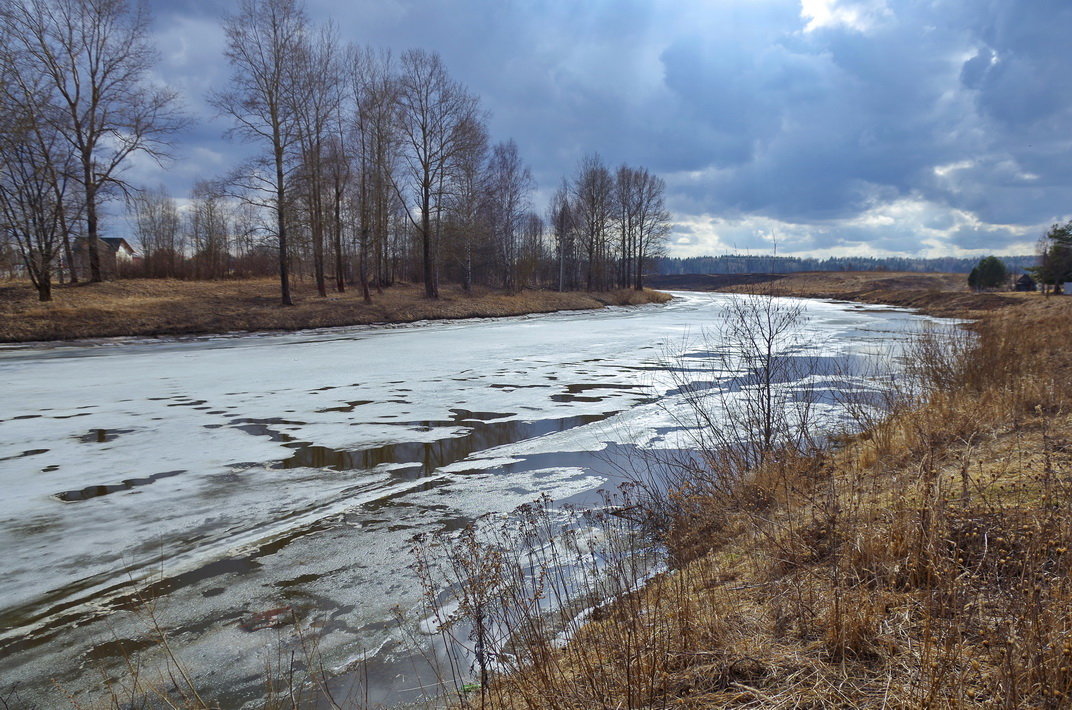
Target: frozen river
(229, 476)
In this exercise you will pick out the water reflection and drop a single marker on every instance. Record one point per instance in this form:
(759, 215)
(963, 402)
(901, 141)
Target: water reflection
(422, 458)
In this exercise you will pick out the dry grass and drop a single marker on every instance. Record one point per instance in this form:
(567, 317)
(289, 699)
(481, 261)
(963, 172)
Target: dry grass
(934, 294)
(926, 562)
(171, 307)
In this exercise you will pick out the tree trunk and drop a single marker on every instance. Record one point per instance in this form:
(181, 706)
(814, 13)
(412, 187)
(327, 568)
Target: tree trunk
(91, 226)
(73, 274)
(318, 258)
(316, 226)
(639, 264)
(430, 290)
(44, 287)
(340, 281)
(366, 295)
(281, 224)
(590, 275)
(561, 264)
(467, 286)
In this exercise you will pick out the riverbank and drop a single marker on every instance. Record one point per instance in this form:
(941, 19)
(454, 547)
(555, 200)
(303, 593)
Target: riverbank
(925, 562)
(922, 563)
(147, 307)
(941, 295)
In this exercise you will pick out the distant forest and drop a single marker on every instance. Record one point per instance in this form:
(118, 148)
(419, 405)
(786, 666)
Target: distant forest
(669, 266)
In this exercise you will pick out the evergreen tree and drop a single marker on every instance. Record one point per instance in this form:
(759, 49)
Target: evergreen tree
(1055, 256)
(990, 272)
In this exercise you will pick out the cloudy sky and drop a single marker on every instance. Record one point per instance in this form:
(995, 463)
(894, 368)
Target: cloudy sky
(833, 127)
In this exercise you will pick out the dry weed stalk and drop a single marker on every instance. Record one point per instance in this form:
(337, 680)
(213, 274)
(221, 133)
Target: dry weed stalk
(294, 674)
(924, 562)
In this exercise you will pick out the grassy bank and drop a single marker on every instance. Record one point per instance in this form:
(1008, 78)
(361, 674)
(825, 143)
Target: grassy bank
(169, 307)
(923, 563)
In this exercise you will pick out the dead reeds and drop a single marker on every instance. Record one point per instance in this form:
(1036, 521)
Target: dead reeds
(924, 562)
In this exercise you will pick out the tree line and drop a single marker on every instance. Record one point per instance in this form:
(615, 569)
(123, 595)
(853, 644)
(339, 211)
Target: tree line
(744, 264)
(1052, 265)
(1054, 268)
(369, 167)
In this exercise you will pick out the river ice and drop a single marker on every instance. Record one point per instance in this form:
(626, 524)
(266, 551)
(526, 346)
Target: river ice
(238, 474)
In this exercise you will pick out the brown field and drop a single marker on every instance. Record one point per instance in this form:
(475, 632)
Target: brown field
(933, 294)
(146, 307)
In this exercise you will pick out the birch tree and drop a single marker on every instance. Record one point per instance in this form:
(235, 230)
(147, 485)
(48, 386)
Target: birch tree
(469, 186)
(263, 39)
(314, 100)
(375, 139)
(652, 223)
(592, 193)
(510, 186)
(433, 110)
(563, 229)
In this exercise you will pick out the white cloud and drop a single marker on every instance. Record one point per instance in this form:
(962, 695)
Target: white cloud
(861, 16)
(910, 226)
(949, 168)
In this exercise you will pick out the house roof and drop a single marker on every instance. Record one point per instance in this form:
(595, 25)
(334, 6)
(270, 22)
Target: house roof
(113, 243)
(116, 242)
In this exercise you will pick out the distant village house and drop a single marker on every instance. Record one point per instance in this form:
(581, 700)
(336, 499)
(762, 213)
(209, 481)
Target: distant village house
(116, 255)
(1025, 283)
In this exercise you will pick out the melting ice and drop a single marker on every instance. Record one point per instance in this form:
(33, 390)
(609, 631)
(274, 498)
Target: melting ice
(235, 475)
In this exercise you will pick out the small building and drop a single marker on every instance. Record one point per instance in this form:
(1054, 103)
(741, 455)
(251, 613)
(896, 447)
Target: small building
(116, 255)
(1025, 283)
(121, 249)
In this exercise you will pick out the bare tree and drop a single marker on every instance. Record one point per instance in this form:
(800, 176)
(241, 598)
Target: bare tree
(314, 99)
(563, 228)
(626, 199)
(35, 165)
(209, 225)
(468, 186)
(263, 39)
(510, 186)
(96, 57)
(373, 133)
(755, 393)
(433, 110)
(338, 174)
(254, 246)
(532, 254)
(158, 229)
(592, 193)
(652, 223)
(643, 222)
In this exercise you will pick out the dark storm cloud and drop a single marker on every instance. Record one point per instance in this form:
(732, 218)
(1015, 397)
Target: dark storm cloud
(884, 125)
